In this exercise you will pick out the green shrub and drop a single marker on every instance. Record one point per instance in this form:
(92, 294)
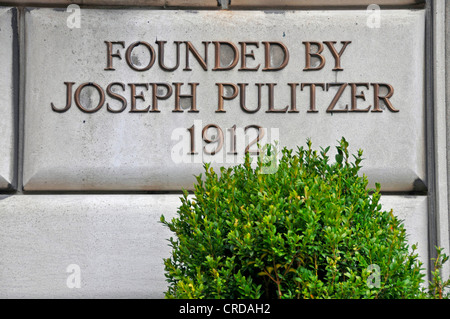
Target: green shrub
(311, 229)
(438, 288)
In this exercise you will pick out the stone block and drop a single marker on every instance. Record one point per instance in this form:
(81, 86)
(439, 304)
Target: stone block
(413, 211)
(130, 124)
(116, 241)
(8, 93)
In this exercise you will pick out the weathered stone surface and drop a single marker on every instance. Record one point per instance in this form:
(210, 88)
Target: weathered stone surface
(102, 150)
(413, 211)
(7, 101)
(116, 240)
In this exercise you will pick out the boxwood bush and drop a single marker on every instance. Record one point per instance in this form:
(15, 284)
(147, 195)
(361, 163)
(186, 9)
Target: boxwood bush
(310, 229)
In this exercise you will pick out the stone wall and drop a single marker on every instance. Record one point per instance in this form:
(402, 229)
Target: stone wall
(108, 111)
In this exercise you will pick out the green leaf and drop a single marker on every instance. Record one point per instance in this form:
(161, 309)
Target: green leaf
(311, 229)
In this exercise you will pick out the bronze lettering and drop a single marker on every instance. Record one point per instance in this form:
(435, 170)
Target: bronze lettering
(336, 55)
(110, 55)
(354, 107)
(217, 55)
(223, 97)
(267, 64)
(256, 140)
(233, 139)
(192, 96)
(317, 54)
(161, 56)
(203, 61)
(191, 131)
(377, 97)
(129, 59)
(218, 138)
(245, 55)
(243, 87)
(157, 97)
(134, 97)
(116, 96)
(312, 95)
(293, 98)
(68, 98)
(100, 103)
(271, 100)
(336, 98)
